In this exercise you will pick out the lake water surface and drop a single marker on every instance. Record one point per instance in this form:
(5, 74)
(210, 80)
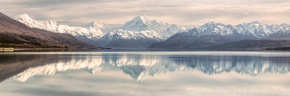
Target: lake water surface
(174, 73)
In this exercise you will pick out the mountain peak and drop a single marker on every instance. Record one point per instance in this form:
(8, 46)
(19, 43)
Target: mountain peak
(212, 24)
(24, 16)
(156, 21)
(285, 30)
(255, 23)
(141, 18)
(95, 24)
(139, 23)
(46, 25)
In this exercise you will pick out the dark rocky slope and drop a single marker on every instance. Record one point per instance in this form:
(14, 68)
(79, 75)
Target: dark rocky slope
(16, 34)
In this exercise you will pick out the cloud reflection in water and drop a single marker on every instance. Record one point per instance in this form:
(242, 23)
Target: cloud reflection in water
(114, 74)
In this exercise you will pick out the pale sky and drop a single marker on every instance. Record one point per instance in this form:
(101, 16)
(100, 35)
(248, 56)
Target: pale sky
(183, 12)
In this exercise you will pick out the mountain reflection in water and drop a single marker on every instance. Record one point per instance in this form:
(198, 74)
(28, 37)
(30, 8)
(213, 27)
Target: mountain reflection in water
(21, 67)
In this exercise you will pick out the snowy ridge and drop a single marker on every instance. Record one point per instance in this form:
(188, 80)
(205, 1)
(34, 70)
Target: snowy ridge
(215, 28)
(285, 30)
(253, 28)
(141, 32)
(261, 30)
(139, 23)
(164, 30)
(140, 66)
(213, 33)
(125, 34)
(283, 34)
(105, 28)
(135, 31)
(93, 30)
(130, 39)
(27, 20)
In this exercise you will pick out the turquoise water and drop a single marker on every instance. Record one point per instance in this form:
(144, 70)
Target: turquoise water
(145, 73)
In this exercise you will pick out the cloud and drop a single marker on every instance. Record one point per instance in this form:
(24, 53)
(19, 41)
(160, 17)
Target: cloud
(185, 83)
(64, 2)
(197, 12)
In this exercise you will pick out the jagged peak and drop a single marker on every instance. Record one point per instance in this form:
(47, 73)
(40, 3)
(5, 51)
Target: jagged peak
(95, 24)
(138, 23)
(141, 18)
(212, 23)
(216, 23)
(157, 21)
(253, 23)
(286, 29)
(25, 15)
(256, 22)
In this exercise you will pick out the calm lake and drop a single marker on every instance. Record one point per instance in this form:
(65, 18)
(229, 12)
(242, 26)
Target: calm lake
(145, 73)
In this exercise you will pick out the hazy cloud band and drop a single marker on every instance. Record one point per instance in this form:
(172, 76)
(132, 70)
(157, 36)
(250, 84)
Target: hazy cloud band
(197, 12)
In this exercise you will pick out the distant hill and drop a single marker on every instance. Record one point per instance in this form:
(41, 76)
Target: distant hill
(253, 45)
(16, 34)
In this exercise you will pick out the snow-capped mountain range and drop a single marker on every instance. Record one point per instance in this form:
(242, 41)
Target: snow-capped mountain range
(256, 29)
(139, 32)
(93, 29)
(213, 33)
(283, 34)
(140, 66)
(164, 30)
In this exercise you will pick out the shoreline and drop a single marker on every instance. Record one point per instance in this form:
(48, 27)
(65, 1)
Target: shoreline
(119, 49)
(7, 49)
(42, 49)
